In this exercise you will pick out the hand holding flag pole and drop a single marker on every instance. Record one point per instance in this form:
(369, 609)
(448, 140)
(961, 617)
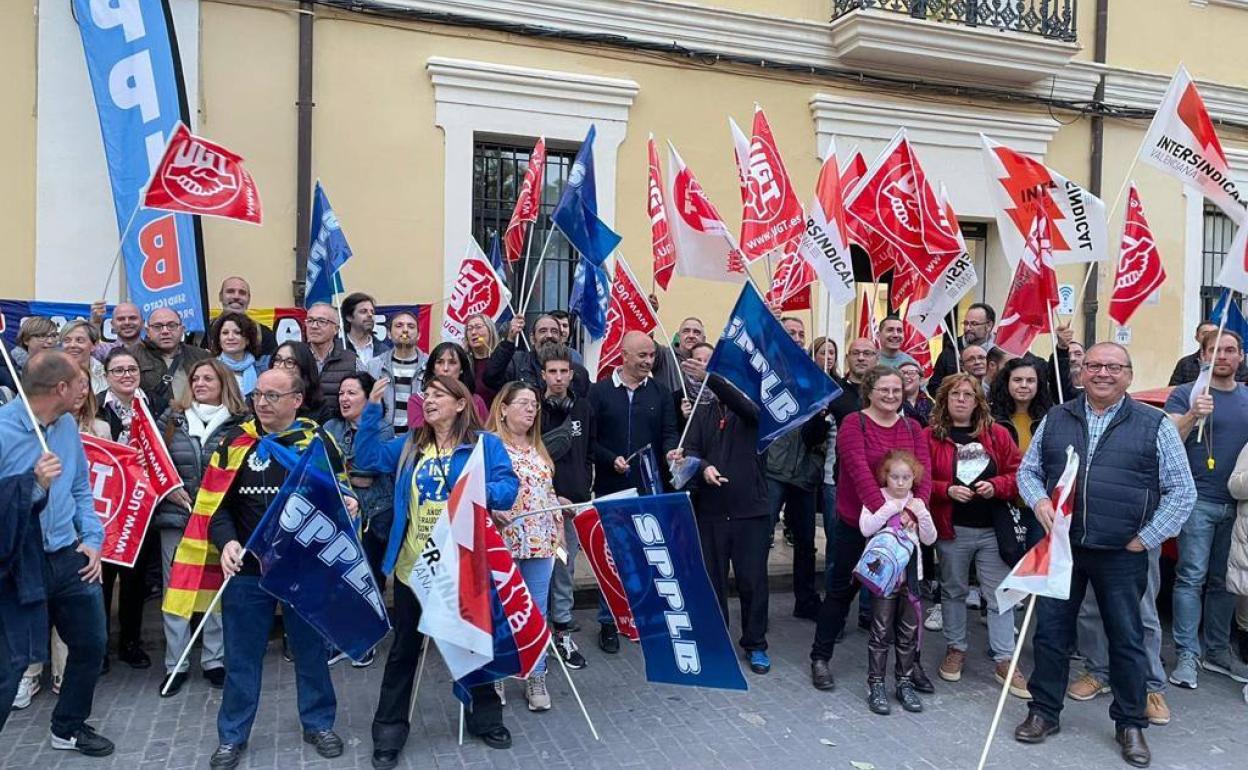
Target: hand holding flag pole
(199, 629)
(1200, 425)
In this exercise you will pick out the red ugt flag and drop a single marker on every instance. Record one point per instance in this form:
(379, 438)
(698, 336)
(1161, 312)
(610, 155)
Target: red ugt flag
(628, 311)
(124, 500)
(772, 216)
(196, 176)
(1139, 263)
(154, 457)
(660, 234)
(527, 202)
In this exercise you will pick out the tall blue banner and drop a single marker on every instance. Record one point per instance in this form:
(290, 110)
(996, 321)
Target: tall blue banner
(311, 558)
(136, 75)
(757, 357)
(654, 541)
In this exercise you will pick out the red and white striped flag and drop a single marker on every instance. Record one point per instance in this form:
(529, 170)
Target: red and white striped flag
(1045, 569)
(527, 202)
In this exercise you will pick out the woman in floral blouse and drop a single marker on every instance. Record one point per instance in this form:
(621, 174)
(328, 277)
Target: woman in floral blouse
(533, 540)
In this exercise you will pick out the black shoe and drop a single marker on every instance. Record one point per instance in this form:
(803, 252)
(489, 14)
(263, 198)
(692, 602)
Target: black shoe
(821, 675)
(571, 627)
(1035, 729)
(907, 697)
(877, 699)
(106, 665)
(385, 759)
(85, 741)
(498, 738)
(175, 682)
(227, 755)
(327, 742)
(365, 661)
(568, 651)
(1134, 748)
(133, 656)
(920, 680)
(806, 611)
(608, 641)
(215, 677)
(788, 536)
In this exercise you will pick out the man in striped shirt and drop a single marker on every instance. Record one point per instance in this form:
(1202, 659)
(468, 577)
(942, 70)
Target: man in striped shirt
(403, 364)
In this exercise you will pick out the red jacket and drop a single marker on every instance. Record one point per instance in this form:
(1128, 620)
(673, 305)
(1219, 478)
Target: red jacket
(1004, 453)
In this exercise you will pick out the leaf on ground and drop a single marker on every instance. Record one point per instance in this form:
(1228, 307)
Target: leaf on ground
(754, 719)
(862, 765)
(827, 742)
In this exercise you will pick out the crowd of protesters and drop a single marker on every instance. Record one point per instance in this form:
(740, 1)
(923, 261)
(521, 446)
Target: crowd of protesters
(959, 463)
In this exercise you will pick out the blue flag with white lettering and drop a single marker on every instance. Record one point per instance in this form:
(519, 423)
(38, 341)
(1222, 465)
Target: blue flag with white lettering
(310, 558)
(757, 357)
(576, 216)
(684, 638)
(328, 251)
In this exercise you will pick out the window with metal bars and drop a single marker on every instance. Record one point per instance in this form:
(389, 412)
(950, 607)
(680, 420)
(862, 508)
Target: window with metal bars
(498, 169)
(1218, 231)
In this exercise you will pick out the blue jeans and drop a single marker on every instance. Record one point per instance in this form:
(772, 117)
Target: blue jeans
(562, 585)
(1092, 634)
(536, 574)
(247, 618)
(77, 611)
(1204, 545)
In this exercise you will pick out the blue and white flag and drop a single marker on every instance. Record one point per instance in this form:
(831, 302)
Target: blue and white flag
(328, 251)
(136, 77)
(500, 267)
(576, 216)
(757, 357)
(654, 542)
(1235, 322)
(591, 297)
(310, 558)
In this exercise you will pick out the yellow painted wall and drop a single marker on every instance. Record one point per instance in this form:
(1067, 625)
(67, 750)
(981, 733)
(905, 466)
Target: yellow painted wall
(17, 149)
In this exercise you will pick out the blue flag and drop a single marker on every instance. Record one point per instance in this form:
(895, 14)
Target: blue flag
(591, 297)
(311, 558)
(328, 251)
(654, 541)
(500, 267)
(757, 357)
(1235, 322)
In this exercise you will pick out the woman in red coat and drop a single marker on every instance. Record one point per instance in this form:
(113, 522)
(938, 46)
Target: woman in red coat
(973, 465)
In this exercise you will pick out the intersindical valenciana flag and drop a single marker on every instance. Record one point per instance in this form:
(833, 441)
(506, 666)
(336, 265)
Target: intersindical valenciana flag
(1045, 569)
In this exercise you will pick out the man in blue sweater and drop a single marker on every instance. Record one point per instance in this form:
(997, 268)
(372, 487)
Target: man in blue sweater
(632, 410)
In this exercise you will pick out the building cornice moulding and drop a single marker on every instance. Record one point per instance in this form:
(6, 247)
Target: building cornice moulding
(498, 86)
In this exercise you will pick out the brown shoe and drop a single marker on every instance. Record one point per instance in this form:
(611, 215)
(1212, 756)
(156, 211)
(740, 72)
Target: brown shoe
(1134, 747)
(1018, 683)
(1035, 729)
(1086, 687)
(951, 667)
(1157, 711)
(821, 675)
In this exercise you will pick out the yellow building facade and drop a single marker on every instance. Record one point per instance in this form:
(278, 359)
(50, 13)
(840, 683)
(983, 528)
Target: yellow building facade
(411, 98)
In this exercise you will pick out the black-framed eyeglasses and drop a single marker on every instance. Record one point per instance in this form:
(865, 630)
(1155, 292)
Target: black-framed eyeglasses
(124, 371)
(285, 362)
(318, 322)
(168, 326)
(1097, 368)
(271, 397)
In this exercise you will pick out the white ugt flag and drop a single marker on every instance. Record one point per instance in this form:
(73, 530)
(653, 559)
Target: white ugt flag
(1045, 569)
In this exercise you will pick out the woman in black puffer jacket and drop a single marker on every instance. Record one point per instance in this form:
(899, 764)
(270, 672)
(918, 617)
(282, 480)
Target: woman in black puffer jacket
(193, 428)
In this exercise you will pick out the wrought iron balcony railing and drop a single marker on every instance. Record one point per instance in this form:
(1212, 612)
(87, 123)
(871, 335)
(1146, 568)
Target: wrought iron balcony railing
(1053, 19)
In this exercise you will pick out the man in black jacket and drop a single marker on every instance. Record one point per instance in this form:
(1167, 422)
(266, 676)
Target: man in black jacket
(1187, 368)
(507, 363)
(568, 431)
(632, 411)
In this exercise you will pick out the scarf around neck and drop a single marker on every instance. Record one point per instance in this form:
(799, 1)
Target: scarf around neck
(202, 420)
(244, 369)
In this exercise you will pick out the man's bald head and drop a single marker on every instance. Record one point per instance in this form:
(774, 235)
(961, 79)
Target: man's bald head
(638, 356)
(235, 294)
(164, 329)
(127, 322)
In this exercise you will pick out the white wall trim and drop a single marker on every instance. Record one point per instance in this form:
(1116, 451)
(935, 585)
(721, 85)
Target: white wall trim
(473, 97)
(1193, 263)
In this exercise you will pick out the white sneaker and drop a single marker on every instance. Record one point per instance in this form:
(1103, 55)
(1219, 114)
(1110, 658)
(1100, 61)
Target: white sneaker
(535, 692)
(935, 619)
(26, 691)
(973, 598)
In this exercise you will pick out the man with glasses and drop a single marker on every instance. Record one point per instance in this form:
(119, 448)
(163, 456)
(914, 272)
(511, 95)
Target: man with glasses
(127, 326)
(860, 356)
(165, 360)
(667, 359)
(1134, 491)
(332, 359)
(977, 328)
(508, 363)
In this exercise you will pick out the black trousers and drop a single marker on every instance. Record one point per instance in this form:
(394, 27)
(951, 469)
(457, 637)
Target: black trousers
(131, 593)
(743, 545)
(799, 515)
(390, 725)
(846, 548)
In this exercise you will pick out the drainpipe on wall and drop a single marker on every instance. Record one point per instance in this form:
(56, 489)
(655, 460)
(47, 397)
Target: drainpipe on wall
(303, 152)
(1090, 304)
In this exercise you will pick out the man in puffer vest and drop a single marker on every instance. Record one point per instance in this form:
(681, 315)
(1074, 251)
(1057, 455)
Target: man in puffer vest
(1134, 491)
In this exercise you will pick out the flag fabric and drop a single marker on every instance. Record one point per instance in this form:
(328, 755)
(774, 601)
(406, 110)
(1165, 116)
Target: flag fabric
(1234, 272)
(853, 172)
(451, 579)
(704, 247)
(1045, 569)
(1033, 294)
(684, 638)
(591, 297)
(661, 247)
(756, 356)
(478, 288)
(124, 500)
(867, 328)
(1235, 322)
(145, 437)
(594, 544)
(906, 284)
(328, 251)
(1022, 189)
(1182, 142)
(629, 311)
(528, 201)
(576, 216)
(311, 558)
(824, 245)
(791, 281)
(1140, 271)
(771, 216)
(500, 267)
(927, 313)
(196, 176)
(895, 202)
(918, 346)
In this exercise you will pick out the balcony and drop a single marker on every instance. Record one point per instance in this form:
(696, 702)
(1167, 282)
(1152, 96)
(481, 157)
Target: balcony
(1001, 42)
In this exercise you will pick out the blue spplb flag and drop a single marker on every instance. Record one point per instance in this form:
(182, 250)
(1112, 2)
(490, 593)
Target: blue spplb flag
(1235, 322)
(591, 297)
(654, 542)
(757, 357)
(576, 216)
(311, 558)
(328, 251)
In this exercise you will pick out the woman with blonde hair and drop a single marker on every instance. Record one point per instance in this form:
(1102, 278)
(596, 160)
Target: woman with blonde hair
(36, 334)
(480, 339)
(78, 339)
(532, 539)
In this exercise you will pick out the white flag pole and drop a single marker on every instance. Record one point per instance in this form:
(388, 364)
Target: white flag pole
(1226, 311)
(420, 672)
(198, 630)
(1009, 676)
(575, 692)
(17, 382)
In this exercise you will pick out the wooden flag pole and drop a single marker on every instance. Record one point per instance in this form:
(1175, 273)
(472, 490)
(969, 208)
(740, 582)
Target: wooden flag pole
(1009, 676)
(1057, 367)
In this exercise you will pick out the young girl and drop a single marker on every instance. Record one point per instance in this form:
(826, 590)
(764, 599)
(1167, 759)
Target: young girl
(894, 617)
